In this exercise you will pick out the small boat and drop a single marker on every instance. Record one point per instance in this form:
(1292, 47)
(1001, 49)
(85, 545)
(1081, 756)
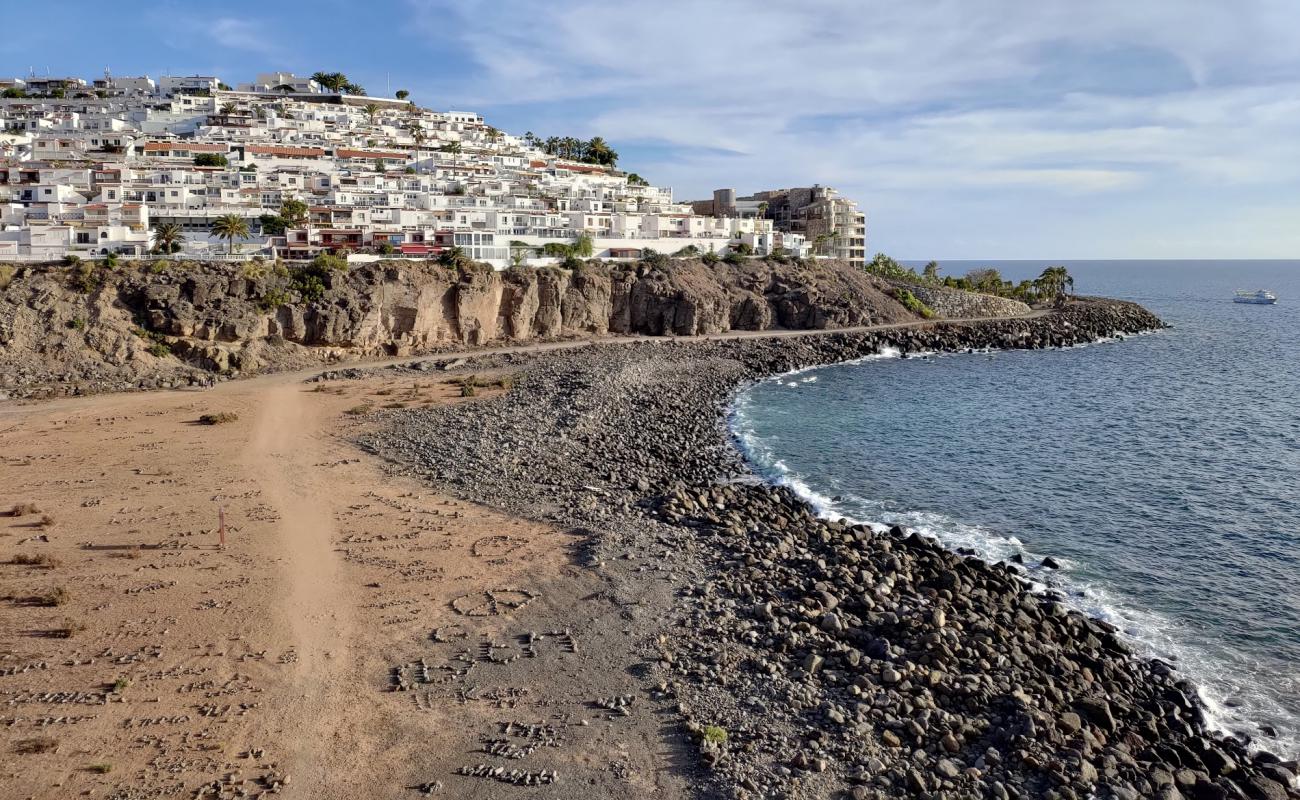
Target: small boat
(1261, 297)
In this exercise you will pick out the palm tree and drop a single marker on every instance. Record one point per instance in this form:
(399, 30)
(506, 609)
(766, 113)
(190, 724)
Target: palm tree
(453, 148)
(167, 237)
(227, 109)
(1053, 282)
(334, 81)
(420, 138)
(372, 111)
(230, 227)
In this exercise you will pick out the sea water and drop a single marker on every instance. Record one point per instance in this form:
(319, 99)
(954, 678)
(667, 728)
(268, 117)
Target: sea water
(1161, 471)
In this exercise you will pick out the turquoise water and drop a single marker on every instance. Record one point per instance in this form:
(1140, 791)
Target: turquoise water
(1162, 471)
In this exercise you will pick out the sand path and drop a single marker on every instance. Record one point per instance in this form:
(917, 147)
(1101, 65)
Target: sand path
(312, 602)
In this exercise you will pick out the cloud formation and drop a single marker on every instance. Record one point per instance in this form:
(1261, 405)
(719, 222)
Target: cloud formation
(1098, 102)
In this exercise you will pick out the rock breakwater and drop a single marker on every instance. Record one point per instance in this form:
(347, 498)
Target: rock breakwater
(810, 658)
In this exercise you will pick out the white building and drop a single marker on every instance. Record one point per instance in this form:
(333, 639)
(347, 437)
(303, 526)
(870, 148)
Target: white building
(91, 174)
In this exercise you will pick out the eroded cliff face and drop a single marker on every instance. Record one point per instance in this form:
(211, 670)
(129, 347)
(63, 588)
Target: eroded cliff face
(132, 328)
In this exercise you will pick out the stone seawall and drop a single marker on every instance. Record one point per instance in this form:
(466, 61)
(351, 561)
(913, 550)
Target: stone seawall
(811, 658)
(955, 303)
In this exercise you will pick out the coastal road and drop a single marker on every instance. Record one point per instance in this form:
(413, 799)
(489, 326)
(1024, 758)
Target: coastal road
(17, 407)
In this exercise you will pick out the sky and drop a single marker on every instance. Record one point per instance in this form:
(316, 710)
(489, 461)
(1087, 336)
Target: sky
(974, 129)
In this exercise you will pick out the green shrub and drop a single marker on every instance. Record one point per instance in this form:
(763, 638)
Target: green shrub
(274, 298)
(6, 276)
(715, 734)
(710, 258)
(76, 324)
(912, 303)
(160, 349)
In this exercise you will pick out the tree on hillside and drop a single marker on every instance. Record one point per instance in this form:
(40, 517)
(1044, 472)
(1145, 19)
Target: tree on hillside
(228, 108)
(634, 179)
(931, 272)
(583, 246)
(402, 94)
(418, 135)
(985, 280)
(294, 212)
(372, 111)
(334, 81)
(167, 237)
(230, 227)
(353, 88)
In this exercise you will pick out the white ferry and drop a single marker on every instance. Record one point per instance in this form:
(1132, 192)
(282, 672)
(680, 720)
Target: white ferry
(1262, 297)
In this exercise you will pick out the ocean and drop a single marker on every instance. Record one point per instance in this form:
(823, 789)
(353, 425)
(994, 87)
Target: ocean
(1162, 471)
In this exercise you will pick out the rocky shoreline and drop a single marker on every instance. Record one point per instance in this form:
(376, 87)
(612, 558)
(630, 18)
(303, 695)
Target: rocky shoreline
(808, 658)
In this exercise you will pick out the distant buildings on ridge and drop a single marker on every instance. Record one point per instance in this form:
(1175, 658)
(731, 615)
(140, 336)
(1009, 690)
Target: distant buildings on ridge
(90, 168)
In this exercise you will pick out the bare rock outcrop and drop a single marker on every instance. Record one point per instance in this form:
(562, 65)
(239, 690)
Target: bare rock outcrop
(72, 330)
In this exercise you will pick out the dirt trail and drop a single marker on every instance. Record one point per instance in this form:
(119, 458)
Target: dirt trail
(312, 605)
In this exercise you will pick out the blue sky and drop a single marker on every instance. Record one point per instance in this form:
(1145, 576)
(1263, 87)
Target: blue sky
(989, 129)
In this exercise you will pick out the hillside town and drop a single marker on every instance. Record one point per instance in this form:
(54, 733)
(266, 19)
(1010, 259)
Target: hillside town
(293, 167)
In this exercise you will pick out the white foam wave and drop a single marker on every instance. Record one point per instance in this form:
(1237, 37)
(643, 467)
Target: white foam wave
(1232, 704)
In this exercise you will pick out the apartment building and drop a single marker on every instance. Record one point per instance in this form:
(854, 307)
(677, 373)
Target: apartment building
(95, 173)
(831, 223)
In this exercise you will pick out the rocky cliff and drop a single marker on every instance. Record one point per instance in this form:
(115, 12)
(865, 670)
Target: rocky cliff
(79, 330)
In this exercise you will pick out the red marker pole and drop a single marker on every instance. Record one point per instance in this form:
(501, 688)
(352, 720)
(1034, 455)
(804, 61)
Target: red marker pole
(221, 529)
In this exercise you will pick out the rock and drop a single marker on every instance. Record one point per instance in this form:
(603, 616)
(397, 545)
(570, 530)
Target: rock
(1260, 788)
(1050, 563)
(947, 768)
(1097, 711)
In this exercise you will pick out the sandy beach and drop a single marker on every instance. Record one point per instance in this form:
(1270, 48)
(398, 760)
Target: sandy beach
(540, 570)
(141, 659)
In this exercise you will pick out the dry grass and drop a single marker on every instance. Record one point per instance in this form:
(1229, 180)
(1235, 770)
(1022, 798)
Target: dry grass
(69, 629)
(41, 744)
(47, 521)
(23, 509)
(58, 596)
(101, 768)
(218, 418)
(356, 411)
(37, 560)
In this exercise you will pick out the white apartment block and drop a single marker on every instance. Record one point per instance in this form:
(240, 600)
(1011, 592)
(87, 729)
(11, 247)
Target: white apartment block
(95, 169)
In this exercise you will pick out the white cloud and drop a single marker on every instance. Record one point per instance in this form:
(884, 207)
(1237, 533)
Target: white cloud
(882, 99)
(239, 34)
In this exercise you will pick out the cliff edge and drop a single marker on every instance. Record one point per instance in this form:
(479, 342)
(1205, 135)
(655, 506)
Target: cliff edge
(89, 328)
